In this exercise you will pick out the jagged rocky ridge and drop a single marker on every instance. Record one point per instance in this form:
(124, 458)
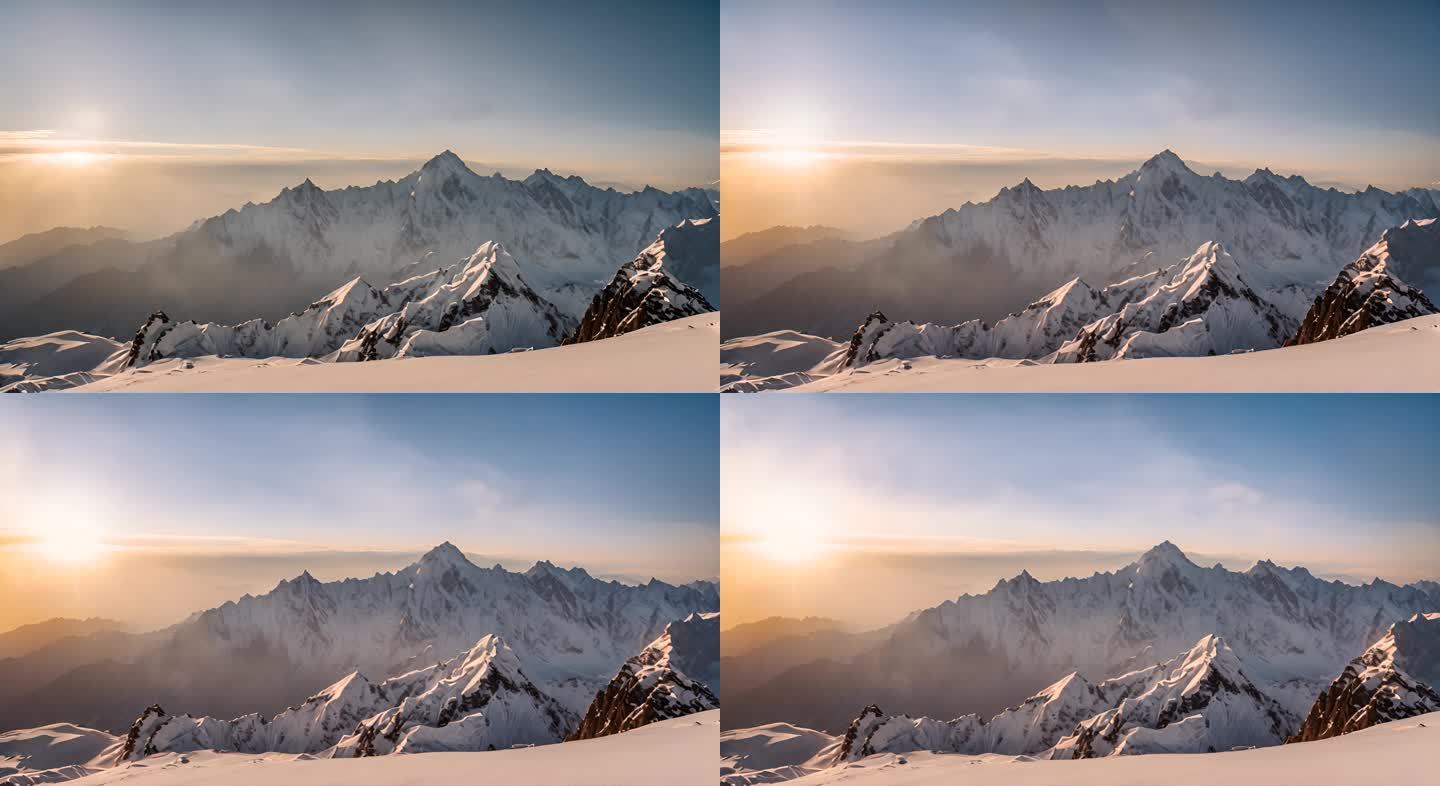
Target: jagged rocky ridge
(677, 674)
(480, 305)
(1201, 305)
(652, 288)
(481, 700)
(1395, 678)
(1198, 702)
(1370, 290)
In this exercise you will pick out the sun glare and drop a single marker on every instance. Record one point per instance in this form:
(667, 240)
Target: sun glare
(792, 546)
(790, 157)
(71, 158)
(70, 545)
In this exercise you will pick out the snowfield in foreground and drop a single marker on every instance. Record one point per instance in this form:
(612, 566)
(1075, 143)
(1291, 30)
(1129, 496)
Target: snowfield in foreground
(674, 356)
(1398, 357)
(1397, 752)
(677, 752)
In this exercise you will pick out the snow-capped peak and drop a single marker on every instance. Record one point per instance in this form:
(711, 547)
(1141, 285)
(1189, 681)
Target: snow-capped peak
(1162, 555)
(445, 554)
(444, 162)
(1162, 165)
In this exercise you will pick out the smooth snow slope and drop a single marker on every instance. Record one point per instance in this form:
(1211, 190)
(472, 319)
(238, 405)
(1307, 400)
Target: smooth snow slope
(672, 357)
(679, 752)
(63, 749)
(1399, 357)
(1398, 752)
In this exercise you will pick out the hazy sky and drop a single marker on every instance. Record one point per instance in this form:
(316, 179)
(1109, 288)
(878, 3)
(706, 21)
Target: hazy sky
(868, 115)
(200, 499)
(864, 508)
(201, 106)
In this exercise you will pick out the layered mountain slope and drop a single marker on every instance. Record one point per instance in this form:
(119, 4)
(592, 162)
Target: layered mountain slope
(984, 260)
(677, 674)
(570, 630)
(267, 260)
(1395, 678)
(480, 305)
(657, 285)
(1293, 631)
(26, 639)
(1370, 291)
(38, 245)
(481, 700)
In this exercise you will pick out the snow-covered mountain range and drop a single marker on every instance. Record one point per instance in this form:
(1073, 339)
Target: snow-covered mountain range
(481, 305)
(1203, 305)
(677, 674)
(1292, 632)
(570, 630)
(262, 261)
(1161, 262)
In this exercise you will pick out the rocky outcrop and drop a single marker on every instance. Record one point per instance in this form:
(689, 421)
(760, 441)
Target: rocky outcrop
(1370, 292)
(1382, 684)
(652, 686)
(651, 288)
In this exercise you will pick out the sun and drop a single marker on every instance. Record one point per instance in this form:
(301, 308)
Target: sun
(791, 546)
(70, 546)
(792, 157)
(71, 158)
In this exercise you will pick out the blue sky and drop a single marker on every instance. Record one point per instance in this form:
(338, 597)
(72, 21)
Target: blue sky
(1070, 92)
(350, 92)
(232, 493)
(946, 494)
